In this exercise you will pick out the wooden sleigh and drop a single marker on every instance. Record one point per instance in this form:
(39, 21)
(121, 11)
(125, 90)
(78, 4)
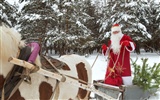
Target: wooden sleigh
(131, 92)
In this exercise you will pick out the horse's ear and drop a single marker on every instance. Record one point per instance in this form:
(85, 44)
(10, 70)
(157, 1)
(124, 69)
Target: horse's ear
(22, 44)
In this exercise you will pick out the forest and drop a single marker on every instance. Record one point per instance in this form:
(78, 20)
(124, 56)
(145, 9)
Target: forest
(82, 26)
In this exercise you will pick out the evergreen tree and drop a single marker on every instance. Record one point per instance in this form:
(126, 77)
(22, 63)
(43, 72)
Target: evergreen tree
(74, 24)
(8, 13)
(151, 19)
(38, 21)
(134, 17)
(145, 76)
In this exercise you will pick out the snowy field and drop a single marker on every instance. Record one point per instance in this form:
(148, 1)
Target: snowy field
(99, 67)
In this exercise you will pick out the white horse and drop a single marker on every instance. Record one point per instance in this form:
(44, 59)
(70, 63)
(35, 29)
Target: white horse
(41, 88)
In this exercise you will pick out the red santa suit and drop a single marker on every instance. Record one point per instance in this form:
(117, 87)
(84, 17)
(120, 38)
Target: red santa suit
(119, 60)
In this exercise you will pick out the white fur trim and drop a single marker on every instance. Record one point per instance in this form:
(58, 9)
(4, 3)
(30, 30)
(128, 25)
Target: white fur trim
(115, 28)
(132, 46)
(127, 80)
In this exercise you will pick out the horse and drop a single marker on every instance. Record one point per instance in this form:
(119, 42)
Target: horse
(41, 87)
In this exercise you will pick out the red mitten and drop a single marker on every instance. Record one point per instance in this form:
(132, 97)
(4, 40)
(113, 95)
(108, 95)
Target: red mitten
(104, 49)
(104, 52)
(125, 43)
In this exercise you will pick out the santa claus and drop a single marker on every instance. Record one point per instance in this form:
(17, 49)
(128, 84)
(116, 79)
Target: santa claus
(119, 47)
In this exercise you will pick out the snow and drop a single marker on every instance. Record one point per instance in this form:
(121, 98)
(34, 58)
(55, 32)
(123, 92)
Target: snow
(12, 1)
(99, 67)
(16, 2)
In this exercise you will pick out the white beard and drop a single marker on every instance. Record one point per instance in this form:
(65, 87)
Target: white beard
(115, 42)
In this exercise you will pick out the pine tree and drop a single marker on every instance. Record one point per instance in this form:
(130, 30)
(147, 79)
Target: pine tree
(8, 13)
(145, 76)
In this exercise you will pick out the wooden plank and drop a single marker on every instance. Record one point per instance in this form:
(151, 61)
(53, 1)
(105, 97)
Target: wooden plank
(107, 86)
(21, 63)
(41, 71)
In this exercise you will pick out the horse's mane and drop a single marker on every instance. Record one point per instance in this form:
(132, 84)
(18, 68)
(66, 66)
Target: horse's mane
(9, 41)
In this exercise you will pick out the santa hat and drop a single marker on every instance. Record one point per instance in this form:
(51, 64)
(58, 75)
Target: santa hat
(115, 27)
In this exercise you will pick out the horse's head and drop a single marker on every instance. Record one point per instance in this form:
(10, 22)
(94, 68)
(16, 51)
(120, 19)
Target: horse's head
(9, 46)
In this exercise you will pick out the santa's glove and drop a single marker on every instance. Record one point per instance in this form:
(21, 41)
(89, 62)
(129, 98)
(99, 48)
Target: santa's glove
(125, 43)
(104, 52)
(104, 49)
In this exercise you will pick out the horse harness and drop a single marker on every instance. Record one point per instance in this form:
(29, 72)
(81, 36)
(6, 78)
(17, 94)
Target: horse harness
(16, 76)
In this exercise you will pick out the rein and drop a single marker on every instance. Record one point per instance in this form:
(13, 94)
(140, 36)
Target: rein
(117, 61)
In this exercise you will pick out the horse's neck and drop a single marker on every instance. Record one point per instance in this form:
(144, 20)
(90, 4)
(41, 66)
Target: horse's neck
(5, 68)
(9, 41)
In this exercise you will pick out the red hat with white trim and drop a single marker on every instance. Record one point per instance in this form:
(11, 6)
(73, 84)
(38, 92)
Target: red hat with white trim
(115, 27)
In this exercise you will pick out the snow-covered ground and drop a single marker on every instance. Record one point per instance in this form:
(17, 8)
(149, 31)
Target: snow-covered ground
(99, 67)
